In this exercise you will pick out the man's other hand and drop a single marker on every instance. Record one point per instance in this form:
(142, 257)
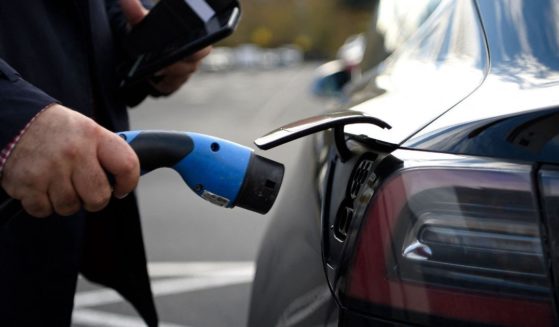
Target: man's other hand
(172, 77)
(61, 164)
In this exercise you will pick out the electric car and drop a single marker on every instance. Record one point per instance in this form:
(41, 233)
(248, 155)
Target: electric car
(430, 196)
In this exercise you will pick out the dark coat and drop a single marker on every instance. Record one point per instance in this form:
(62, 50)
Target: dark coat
(65, 51)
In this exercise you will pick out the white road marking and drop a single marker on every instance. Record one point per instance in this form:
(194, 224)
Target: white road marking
(187, 277)
(182, 269)
(104, 319)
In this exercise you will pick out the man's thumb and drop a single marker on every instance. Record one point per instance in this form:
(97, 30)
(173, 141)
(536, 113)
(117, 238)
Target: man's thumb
(133, 10)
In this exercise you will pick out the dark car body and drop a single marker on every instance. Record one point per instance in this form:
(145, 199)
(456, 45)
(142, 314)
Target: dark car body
(451, 216)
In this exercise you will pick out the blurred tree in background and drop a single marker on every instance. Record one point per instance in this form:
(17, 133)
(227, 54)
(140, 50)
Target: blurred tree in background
(319, 27)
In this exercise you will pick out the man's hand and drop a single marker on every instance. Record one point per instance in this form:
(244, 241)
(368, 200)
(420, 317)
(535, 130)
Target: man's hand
(62, 161)
(172, 77)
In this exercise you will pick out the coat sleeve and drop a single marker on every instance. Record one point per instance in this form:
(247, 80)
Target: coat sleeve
(19, 103)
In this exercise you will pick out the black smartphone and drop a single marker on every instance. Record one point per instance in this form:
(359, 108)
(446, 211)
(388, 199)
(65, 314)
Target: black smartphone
(172, 30)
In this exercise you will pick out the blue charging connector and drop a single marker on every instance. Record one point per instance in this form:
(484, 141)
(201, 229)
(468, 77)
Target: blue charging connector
(220, 171)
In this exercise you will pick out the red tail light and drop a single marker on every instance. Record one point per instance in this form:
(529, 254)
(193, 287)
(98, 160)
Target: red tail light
(452, 244)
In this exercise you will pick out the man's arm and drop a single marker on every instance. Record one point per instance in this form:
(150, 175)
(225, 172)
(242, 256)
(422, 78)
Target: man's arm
(57, 159)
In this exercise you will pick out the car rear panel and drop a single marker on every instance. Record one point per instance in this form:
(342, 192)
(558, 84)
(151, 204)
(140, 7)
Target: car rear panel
(436, 239)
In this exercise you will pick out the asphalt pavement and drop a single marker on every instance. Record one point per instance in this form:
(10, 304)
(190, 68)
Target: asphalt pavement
(201, 257)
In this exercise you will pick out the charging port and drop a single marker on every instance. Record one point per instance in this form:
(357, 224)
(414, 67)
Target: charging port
(343, 221)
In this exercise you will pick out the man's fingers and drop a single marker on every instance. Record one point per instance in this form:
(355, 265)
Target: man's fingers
(171, 84)
(172, 77)
(180, 68)
(199, 55)
(63, 197)
(133, 10)
(37, 205)
(185, 67)
(119, 160)
(92, 185)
